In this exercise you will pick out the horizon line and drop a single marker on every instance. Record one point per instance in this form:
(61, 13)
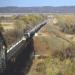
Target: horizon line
(41, 6)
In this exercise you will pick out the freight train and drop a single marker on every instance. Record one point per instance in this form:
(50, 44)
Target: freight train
(7, 54)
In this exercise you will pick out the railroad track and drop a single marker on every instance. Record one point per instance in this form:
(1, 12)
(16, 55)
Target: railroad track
(13, 52)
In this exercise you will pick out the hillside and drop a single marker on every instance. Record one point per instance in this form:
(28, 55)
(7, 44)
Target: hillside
(54, 48)
(44, 9)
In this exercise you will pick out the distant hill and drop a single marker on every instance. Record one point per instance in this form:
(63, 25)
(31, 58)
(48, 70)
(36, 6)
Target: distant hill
(45, 9)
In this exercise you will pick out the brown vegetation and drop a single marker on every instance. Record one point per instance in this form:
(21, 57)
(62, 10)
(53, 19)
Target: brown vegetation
(15, 26)
(59, 48)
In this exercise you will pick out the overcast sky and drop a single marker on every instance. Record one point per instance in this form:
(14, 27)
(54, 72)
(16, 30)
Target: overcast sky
(30, 3)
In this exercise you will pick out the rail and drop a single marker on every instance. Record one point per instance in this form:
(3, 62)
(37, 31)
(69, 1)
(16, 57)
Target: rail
(15, 50)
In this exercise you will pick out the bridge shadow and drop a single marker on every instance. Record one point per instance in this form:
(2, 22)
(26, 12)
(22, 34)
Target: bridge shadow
(23, 62)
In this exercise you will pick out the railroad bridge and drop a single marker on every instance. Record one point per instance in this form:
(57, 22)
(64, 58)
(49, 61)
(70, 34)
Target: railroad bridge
(25, 46)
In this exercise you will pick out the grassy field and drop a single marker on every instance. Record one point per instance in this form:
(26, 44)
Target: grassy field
(55, 47)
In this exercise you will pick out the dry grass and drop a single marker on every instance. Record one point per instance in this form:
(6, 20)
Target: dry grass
(15, 25)
(59, 46)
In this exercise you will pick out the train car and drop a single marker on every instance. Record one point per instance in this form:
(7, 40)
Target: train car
(34, 30)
